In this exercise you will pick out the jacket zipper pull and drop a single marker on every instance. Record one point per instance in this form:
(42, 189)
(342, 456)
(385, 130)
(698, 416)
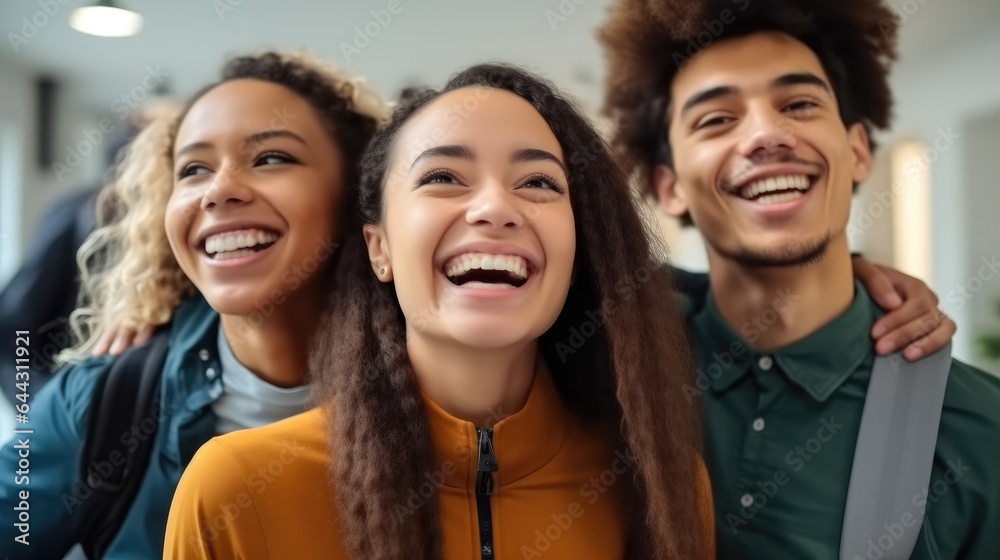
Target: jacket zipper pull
(487, 463)
(484, 488)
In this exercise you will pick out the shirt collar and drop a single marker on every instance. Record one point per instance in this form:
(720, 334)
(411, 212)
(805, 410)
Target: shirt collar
(523, 442)
(819, 363)
(194, 328)
(191, 379)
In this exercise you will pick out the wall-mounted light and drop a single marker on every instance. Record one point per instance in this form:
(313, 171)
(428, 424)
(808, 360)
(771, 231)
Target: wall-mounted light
(105, 19)
(911, 179)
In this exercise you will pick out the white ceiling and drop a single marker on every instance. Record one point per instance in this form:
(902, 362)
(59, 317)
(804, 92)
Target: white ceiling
(423, 43)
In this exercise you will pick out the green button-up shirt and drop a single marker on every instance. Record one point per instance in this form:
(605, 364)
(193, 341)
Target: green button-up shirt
(781, 429)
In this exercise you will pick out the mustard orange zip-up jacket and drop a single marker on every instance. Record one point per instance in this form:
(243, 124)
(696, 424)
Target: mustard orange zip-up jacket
(557, 491)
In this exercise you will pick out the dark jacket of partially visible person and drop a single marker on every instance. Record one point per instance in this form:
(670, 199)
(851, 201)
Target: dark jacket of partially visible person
(43, 292)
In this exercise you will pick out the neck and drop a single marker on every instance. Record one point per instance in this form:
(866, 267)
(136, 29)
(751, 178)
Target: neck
(479, 386)
(774, 307)
(275, 347)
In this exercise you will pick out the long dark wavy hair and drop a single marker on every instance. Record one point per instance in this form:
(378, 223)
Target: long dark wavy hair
(629, 376)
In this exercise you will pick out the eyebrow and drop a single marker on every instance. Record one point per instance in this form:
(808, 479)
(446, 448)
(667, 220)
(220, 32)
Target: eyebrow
(707, 95)
(787, 80)
(255, 138)
(451, 151)
(801, 78)
(532, 154)
(269, 134)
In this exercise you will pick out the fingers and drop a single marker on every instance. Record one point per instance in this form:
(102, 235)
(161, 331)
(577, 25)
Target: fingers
(878, 283)
(122, 342)
(919, 304)
(936, 340)
(910, 287)
(104, 342)
(922, 335)
(116, 340)
(143, 335)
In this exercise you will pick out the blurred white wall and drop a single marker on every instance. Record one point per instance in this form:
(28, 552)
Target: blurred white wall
(948, 100)
(26, 190)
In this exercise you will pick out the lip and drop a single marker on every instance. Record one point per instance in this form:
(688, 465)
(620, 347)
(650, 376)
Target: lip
(534, 262)
(224, 227)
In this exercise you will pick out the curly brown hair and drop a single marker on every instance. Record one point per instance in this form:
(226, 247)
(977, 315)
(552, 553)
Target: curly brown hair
(629, 376)
(129, 275)
(647, 42)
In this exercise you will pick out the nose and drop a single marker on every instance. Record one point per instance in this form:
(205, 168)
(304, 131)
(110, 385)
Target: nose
(769, 132)
(495, 207)
(226, 188)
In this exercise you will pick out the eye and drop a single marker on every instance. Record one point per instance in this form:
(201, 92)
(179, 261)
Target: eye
(713, 121)
(273, 158)
(543, 181)
(438, 177)
(800, 106)
(192, 169)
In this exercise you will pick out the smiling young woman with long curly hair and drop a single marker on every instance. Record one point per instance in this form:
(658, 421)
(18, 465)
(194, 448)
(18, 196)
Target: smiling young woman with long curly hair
(224, 227)
(462, 417)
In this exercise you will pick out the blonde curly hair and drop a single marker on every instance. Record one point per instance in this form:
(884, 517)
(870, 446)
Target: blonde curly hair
(129, 276)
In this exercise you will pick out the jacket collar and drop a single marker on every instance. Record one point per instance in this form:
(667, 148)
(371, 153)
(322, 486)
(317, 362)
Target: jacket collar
(523, 442)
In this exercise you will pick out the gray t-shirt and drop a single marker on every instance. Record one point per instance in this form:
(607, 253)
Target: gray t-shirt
(247, 401)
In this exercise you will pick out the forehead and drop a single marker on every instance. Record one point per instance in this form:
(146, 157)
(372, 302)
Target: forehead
(746, 62)
(484, 119)
(247, 106)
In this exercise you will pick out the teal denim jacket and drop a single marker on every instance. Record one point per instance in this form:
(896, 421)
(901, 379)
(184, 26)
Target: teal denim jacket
(58, 415)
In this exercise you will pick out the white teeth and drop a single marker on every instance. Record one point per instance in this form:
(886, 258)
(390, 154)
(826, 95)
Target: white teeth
(514, 264)
(237, 240)
(232, 254)
(783, 184)
(488, 286)
(778, 198)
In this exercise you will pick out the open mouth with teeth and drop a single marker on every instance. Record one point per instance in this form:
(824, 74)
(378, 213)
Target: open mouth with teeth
(239, 243)
(483, 270)
(776, 190)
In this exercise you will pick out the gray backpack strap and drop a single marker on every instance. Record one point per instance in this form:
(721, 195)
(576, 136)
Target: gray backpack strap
(893, 457)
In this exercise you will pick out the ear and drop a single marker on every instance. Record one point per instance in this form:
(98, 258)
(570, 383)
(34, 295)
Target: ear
(861, 147)
(669, 196)
(378, 251)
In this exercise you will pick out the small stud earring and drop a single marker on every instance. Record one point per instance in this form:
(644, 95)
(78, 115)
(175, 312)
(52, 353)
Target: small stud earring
(381, 271)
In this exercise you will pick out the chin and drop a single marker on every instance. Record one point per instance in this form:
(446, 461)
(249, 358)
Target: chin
(488, 335)
(239, 301)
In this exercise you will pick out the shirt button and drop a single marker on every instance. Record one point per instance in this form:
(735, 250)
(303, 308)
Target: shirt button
(210, 373)
(203, 354)
(765, 362)
(746, 500)
(758, 425)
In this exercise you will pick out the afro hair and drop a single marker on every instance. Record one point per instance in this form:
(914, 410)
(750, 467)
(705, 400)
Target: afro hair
(647, 42)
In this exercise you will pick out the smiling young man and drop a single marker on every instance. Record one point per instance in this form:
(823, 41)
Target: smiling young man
(759, 136)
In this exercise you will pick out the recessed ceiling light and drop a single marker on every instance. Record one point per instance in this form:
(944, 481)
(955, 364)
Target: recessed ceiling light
(105, 19)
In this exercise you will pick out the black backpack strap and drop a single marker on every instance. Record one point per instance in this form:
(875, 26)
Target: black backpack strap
(112, 465)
